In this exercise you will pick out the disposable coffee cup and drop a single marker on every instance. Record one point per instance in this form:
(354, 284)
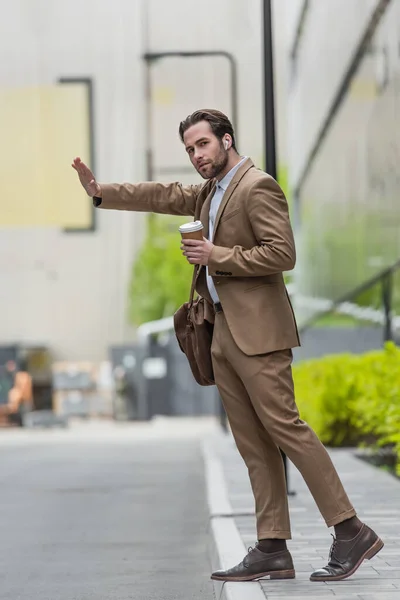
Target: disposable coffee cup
(192, 231)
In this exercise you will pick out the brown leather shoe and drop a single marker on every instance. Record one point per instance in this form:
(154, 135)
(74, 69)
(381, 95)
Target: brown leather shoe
(259, 565)
(347, 555)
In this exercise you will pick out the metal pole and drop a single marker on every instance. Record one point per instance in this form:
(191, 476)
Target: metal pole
(148, 102)
(269, 106)
(387, 281)
(269, 126)
(234, 97)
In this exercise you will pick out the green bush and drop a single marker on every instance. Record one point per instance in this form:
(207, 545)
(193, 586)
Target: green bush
(352, 399)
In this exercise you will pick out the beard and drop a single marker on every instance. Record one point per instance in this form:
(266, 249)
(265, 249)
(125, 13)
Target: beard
(215, 167)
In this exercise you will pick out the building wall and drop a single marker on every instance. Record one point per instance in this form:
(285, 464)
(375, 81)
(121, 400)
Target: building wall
(181, 86)
(348, 221)
(318, 67)
(70, 290)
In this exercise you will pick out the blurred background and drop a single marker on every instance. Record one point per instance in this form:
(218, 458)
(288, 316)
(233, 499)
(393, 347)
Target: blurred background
(87, 297)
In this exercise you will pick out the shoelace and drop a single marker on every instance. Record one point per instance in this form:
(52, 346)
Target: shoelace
(333, 548)
(250, 549)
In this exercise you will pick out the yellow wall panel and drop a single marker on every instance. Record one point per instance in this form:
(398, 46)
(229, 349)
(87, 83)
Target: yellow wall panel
(41, 131)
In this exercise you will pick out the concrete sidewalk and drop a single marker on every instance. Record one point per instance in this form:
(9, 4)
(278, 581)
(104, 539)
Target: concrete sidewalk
(375, 494)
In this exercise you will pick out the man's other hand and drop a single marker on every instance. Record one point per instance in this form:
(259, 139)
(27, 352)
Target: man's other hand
(197, 252)
(86, 178)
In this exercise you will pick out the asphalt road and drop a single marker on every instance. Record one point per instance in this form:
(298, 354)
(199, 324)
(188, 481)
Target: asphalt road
(105, 511)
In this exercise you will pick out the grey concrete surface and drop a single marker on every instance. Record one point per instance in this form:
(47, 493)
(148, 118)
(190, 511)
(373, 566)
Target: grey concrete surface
(105, 511)
(226, 547)
(376, 496)
(320, 341)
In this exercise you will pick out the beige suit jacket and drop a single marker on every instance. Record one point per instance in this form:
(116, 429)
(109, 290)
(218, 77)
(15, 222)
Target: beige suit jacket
(253, 246)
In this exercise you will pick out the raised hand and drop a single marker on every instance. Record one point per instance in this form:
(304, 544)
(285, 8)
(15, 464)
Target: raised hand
(86, 178)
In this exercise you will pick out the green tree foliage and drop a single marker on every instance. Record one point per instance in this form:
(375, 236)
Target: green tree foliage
(161, 276)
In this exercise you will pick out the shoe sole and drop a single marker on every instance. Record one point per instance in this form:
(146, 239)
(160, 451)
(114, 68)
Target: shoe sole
(373, 551)
(289, 574)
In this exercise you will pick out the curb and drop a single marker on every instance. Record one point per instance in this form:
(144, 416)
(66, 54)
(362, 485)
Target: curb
(226, 547)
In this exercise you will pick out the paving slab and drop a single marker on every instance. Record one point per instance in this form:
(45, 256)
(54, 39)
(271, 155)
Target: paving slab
(376, 496)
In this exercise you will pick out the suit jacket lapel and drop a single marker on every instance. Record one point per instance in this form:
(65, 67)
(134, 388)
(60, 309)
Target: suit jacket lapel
(231, 188)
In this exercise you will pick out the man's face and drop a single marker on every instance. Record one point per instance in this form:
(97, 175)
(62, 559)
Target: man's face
(205, 150)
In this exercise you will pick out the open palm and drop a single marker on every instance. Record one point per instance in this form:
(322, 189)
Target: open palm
(86, 178)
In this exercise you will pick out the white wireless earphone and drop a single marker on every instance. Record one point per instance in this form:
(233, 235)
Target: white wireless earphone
(226, 144)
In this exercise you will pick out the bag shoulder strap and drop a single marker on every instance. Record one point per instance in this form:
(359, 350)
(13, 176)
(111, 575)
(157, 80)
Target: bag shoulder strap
(196, 272)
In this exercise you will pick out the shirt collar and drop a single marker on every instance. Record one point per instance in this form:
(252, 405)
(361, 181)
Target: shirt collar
(230, 175)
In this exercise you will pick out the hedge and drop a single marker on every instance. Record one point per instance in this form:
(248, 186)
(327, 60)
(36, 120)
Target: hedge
(352, 399)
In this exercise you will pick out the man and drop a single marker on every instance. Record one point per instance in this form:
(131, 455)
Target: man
(248, 244)
(15, 393)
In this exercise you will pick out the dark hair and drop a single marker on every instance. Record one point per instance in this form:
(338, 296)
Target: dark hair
(219, 123)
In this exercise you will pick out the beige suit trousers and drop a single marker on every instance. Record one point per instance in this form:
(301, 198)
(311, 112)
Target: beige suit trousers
(258, 395)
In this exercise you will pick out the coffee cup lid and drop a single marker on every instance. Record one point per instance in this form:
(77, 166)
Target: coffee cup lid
(192, 226)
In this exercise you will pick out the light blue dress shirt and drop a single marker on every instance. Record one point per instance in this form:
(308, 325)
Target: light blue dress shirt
(220, 190)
